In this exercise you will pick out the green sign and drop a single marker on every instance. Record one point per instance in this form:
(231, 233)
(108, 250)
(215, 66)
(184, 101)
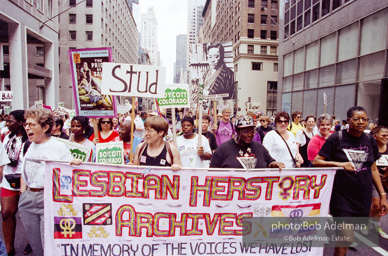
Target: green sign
(200, 92)
(175, 96)
(110, 153)
(77, 150)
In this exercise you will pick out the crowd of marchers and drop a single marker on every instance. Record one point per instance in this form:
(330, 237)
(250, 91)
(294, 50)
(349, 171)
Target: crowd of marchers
(250, 142)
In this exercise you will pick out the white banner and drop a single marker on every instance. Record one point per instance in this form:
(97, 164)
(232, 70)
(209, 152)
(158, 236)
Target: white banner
(133, 80)
(6, 96)
(124, 210)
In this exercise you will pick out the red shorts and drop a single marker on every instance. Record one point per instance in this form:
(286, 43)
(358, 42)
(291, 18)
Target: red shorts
(6, 192)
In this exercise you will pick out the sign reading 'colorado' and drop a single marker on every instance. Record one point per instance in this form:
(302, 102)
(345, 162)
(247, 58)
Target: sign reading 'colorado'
(175, 96)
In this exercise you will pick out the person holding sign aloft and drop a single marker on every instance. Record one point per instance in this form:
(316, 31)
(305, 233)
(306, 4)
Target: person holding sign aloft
(192, 154)
(154, 151)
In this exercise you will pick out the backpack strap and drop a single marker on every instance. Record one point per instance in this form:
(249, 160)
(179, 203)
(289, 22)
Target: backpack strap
(168, 146)
(142, 149)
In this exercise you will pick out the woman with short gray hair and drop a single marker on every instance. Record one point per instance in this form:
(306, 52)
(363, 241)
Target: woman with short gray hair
(324, 122)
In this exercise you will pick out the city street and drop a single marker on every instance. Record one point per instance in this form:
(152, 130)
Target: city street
(21, 241)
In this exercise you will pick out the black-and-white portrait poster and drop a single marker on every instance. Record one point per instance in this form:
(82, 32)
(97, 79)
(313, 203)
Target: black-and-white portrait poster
(212, 65)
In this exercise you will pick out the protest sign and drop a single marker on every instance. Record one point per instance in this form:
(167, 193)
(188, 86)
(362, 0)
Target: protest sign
(110, 153)
(133, 80)
(86, 69)
(77, 150)
(6, 96)
(125, 210)
(175, 96)
(7, 110)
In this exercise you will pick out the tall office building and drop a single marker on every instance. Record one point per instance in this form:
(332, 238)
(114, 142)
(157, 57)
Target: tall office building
(29, 52)
(336, 48)
(181, 59)
(252, 26)
(148, 35)
(194, 22)
(93, 24)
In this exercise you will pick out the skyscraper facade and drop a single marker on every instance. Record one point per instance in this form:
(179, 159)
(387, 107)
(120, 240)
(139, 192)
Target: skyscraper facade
(336, 48)
(148, 35)
(252, 26)
(29, 52)
(93, 24)
(181, 59)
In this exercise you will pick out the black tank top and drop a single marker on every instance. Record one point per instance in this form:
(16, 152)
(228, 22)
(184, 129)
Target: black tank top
(303, 151)
(160, 160)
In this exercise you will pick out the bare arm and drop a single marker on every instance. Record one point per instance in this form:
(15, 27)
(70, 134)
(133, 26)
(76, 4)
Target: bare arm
(177, 164)
(23, 185)
(136, 160)
(320, 161)
(379, 186)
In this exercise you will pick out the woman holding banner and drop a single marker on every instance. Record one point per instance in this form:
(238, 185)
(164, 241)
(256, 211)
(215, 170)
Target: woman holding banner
(380, 133)
(242, 151)
(105, 131)
(78, 127)
(354, 153)
(154, 151)
(38, 125)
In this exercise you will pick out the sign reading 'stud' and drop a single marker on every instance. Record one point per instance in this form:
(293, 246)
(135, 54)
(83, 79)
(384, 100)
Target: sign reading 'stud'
(133, 80)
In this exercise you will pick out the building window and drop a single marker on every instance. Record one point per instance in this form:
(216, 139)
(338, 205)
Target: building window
(274, 35)
(264, 3)
(274, 4)
(325, 7)
(336, 4)
(89, 19)
(89, 35)
(274, 20)
(251, 18)
(251, 33)
(263, 19)
(89, 3)
(39, 51)
(263, 34)
(263, 50)
(251, 3)
(72, 18)
(251, 49)
(316, 12)
(273, 50)
(73, 35)
(39, 5)
(275, 67)
(257, 66)
(72, 2)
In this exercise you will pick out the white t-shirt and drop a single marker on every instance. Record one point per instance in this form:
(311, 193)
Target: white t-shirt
(188, 151)
(18, 151)
(301, 139)
(278, 149)
(34, 172)
(139, 124)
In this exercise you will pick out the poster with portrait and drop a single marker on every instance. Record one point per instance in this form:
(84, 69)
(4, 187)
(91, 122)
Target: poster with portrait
(211, 64)
(86, 70)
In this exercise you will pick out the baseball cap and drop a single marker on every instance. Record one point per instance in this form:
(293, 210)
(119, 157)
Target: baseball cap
(245, 121)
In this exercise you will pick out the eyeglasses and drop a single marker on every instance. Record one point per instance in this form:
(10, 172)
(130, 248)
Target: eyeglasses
(298, 117)
(149, 130)
(364, 120)
(106, 122)
(31, 125)
(263, 120)
(282, 121)
(248, 132)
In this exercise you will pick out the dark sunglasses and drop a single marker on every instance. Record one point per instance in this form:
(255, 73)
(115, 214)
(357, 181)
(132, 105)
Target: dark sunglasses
(106, 122)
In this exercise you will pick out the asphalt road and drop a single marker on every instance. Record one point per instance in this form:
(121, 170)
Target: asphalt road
(21, 242)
